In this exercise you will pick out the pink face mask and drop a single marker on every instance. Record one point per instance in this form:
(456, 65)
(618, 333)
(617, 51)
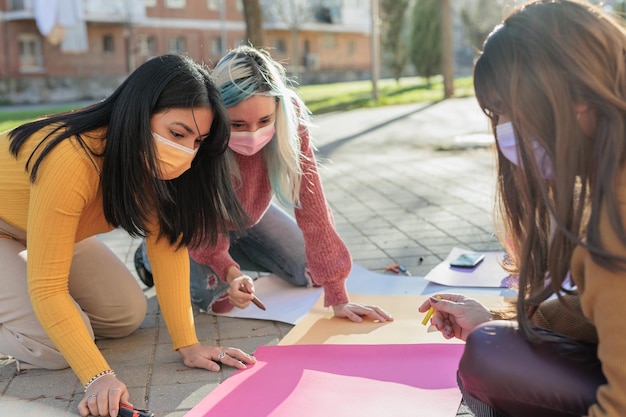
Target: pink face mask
(507, 142)
(249, 143)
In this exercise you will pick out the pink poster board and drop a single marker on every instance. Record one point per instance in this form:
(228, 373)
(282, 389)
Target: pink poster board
(341, 380)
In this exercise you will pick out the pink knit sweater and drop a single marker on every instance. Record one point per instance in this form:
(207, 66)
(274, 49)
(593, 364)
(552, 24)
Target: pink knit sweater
(328, 258)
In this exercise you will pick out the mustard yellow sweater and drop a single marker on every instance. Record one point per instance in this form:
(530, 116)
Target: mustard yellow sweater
(62, 207)
(602, 293)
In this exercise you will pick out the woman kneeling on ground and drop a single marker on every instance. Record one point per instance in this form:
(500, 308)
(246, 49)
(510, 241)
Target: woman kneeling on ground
(149, 159)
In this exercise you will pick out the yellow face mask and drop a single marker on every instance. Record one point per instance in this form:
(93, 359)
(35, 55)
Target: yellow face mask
(173, 159)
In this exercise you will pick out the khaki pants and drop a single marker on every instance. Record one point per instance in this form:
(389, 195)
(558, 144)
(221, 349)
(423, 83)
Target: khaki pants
(107, 295)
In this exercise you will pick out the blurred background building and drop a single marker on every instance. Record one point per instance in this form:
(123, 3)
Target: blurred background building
(59, 50)
(64, 50)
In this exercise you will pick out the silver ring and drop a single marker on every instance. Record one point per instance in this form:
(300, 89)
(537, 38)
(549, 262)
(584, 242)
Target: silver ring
(221, 356)
(114, 389)
(92, 395)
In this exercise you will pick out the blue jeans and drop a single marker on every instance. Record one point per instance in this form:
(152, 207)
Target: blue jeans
(275, 245)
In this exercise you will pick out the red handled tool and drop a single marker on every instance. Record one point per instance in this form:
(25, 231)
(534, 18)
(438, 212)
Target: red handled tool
(397, 269)
(128, 411)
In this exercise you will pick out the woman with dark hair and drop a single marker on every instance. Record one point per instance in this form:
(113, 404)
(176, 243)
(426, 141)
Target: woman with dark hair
(552, 80)
(149, 160)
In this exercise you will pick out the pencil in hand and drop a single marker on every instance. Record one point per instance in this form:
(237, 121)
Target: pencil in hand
(430, 312)
(255, 300)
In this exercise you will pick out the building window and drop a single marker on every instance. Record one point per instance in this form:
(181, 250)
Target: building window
(216, 46)
(31, 57)
(281, 46)
(17, 5)
(175, 4)
(323, 15)
(176, 45)
(108, 44)
(146, 45)
(214, 4)
(149, 3)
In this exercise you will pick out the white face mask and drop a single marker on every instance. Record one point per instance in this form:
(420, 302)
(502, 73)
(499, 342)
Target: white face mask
(173, 159)
(507, 142)
(249, 143)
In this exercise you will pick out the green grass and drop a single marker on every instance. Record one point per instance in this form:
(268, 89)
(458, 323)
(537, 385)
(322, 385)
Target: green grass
(357, 94)
(10, 119)
(319, 98)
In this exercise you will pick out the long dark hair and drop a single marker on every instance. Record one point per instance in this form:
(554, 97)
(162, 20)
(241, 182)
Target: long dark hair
(545, 58)
(196, 206)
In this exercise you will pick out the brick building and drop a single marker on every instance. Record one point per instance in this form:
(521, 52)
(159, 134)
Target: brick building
(54, 51)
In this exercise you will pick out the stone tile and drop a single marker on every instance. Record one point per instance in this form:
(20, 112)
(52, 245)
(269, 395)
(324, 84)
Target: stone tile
(40, 406)
(174, 373)
(179, 398)
(32, 384)
(233, 328)
(135, 377)
(164, 353)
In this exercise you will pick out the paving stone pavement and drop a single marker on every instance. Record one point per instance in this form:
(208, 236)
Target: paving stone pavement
(406, 184)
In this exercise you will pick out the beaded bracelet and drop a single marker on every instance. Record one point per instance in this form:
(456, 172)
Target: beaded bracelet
(97, 377)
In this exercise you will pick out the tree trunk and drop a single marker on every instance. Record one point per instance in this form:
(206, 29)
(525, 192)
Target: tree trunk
(447, 49)
(254, 23)
(375, 48)
(295, 59)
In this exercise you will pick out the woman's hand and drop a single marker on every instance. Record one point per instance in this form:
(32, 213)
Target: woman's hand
(355, 312)
(241, 291)
(103, 397)
(456, 315)
(208, 357)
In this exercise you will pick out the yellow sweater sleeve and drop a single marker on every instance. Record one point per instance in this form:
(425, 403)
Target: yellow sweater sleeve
(602, 299)
(170, 268)
(66, 188)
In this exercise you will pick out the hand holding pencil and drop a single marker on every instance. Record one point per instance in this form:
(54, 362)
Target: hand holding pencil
(430, 312)
(240, 290)
(454, 315)
(255, 300)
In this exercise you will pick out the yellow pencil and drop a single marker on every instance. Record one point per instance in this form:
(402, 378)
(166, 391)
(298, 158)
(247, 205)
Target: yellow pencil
(430, 312)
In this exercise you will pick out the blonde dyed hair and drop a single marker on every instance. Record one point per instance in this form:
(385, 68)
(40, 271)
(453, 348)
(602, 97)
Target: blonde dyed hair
(246, 71)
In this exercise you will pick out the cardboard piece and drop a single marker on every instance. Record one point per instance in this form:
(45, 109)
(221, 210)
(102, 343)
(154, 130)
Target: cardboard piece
(321, 327)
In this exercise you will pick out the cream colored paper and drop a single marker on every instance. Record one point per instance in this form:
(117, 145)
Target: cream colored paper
(319, 326)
